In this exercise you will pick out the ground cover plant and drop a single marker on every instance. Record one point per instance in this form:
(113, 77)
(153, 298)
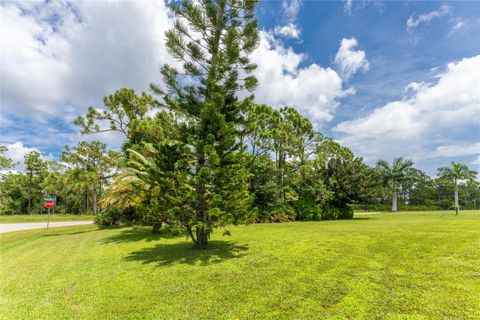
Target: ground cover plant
(414, 265)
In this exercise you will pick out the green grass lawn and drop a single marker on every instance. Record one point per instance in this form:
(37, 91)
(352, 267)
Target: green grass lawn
(378, 266)
(43, 217)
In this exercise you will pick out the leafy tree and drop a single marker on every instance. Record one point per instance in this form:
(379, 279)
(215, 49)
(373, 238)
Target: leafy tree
(254, 135)
(454, 174)
(345, 179)
(56, 183)
(14, 193)
(92, 164)
(123, 109)
(5, 162)
(213, 40)
(419, 189)
(264, 189)
(394, 174)
(34, 166)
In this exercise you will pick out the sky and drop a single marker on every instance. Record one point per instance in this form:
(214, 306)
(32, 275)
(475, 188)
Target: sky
(384, 78)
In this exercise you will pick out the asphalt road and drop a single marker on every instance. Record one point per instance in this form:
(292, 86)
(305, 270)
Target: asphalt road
(9, 227)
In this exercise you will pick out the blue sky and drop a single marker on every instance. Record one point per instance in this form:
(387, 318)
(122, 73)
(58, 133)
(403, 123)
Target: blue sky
(385, 78)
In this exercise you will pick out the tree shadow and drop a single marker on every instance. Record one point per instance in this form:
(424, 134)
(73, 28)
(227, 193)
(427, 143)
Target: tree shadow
(66, 233)
(165, 254)
(134, 234)
(362, 218)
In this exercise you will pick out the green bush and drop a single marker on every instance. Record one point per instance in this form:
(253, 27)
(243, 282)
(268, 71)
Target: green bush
(330, 213)
(308, 210)
(109, 218)
(283, 213)
(346, 212)
(337, 213)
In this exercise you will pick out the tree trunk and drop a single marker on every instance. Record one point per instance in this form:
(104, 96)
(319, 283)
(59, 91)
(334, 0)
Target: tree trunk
(394, 201)
(156, 227)
(94, 199)
(457, 208)
(85, 201)
(202, 237)
(30, 194)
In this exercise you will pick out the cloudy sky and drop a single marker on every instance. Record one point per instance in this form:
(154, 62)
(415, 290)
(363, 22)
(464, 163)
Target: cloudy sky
(385, 78)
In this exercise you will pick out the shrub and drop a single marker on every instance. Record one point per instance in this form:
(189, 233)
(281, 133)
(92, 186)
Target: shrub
(109, 218)
(308, 210)
(336, 213)
(284, 213)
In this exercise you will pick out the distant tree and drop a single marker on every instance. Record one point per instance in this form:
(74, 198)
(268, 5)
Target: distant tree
(394, 174)
(34, 166)
(93, 164)
(5, 162)
(454, 174)
(123, 109)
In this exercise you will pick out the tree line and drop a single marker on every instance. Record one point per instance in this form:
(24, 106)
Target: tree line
(199, 154)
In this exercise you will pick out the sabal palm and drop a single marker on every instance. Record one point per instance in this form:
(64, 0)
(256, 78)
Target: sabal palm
(393, 174)
(455, 173)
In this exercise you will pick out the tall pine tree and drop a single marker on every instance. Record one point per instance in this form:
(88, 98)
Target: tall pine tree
(212, 38)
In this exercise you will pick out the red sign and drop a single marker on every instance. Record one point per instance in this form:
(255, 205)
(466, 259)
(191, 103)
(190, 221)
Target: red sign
(49, 204)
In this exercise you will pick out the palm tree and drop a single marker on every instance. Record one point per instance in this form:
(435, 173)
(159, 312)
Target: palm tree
(455, 173)
(393, 174)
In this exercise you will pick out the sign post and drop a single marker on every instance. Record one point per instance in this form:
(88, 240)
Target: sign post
(49, 202)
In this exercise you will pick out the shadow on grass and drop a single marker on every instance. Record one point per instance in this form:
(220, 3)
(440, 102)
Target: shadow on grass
(185, 253)
(134, 234)
(66, 233)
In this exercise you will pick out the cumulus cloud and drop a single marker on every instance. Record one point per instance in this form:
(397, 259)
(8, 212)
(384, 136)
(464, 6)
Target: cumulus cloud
(414, 21)
(419, 126)
(289, 31)
(349, 60)
(60, 57)
(291, 8)
(289, 28)
(17, 151)
(312, 89)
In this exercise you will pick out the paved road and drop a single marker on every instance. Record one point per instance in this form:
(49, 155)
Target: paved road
(8, 227)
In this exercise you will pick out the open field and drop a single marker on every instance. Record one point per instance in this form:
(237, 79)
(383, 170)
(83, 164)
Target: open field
(43, 218)
(423, 265)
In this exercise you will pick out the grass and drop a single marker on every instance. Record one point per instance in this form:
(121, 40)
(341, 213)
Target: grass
(378, 266)
(23, 218)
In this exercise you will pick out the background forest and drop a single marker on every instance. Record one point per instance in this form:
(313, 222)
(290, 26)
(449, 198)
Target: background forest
(293, 171)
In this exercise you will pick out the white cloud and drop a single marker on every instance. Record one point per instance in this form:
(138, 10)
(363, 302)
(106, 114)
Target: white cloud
(347, 6)
(415, 126)
(458, 150)
(289, 31)
(17, 151)
(349, 60)
(312, 89)
(291, 8)
(416, 86)
(290, 11)
(60, 57)
(414, 22)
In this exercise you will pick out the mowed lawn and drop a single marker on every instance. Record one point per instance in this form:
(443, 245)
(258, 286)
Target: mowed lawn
(24, 218)
(378, 266)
